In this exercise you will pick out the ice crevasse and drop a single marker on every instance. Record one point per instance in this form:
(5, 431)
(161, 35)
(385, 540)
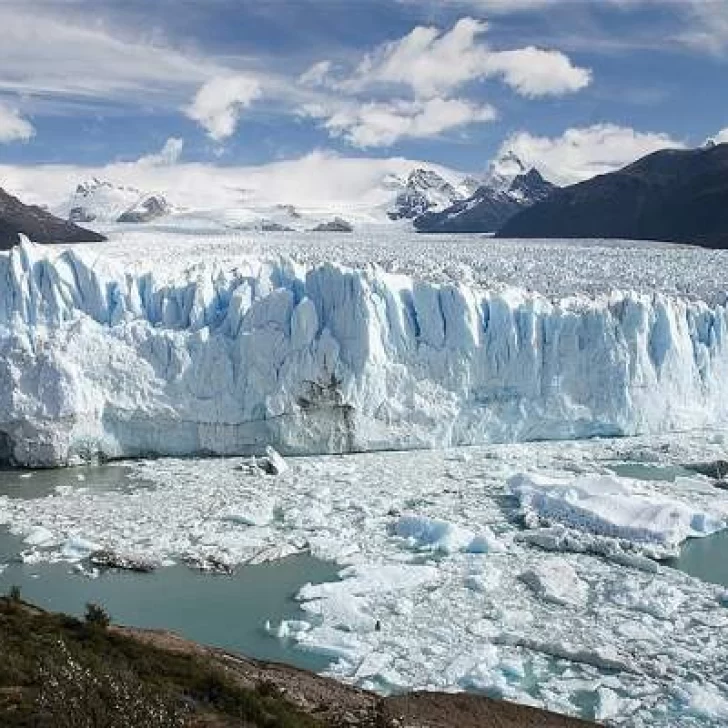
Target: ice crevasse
(96, 361)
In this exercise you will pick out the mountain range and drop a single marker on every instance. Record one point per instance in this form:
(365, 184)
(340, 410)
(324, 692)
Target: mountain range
(671, 195)
(489, 207)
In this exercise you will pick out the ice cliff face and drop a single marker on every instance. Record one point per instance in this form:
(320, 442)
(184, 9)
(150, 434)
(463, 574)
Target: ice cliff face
(98, 362)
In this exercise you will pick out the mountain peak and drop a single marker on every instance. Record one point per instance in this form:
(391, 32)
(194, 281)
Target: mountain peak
(425, 179)
(424, 190)
(503, 170)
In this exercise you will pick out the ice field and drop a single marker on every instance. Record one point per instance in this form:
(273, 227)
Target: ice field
(467, 424)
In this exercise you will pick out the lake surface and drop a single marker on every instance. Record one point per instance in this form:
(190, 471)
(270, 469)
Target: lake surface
(227, 611)
(705, 558)
(224, 611)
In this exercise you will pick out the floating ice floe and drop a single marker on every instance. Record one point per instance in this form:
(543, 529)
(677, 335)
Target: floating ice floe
(556, 581)
(271, 464)
(438, 535)
(39, 536)
(609, 507)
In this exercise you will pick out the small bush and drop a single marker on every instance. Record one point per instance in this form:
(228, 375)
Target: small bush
(97, 616)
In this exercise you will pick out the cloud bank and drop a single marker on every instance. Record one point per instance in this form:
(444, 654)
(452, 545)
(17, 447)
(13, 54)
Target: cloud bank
(581, 153)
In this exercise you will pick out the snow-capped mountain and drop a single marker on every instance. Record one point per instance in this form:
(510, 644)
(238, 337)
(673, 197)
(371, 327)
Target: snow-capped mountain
(507, 188)
(99, 201)
(530, 188)
(148, 209)
(502, 172)
(424, 190)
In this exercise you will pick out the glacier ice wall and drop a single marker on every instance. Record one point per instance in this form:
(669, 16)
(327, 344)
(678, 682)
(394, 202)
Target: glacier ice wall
(99, 362)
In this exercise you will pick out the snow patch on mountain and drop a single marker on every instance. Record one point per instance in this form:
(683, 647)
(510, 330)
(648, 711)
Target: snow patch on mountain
(99, 201)
(424, 190)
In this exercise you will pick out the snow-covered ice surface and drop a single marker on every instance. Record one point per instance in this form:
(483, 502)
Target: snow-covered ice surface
(555, 268)
(160, 343)
(442, 586)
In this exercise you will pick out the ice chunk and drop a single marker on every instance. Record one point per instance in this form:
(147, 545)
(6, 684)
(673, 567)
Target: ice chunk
(437, 535)
(706, 700)
(271, 464)
(555, 580)
(250, 516)
(77, 547)
(274, 463)
(106, 559)
(40, 536)
(611, 507)
(611, 706)
(289, 628)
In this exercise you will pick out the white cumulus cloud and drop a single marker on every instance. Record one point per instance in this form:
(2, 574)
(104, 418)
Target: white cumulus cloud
(219, 102)
(13, 127)
(168, 154)
(435, 63)
(581, 153)
(535, 72)
(721, 137)
(382, 123)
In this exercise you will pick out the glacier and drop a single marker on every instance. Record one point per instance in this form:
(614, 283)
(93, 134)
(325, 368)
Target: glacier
(101, 360)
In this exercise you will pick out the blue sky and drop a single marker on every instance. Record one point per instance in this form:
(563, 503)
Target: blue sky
(578, 85)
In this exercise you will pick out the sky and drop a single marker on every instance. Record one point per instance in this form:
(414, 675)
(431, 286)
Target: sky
(575, 87)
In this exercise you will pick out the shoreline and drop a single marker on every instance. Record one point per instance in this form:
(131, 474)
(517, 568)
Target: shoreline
(171, 681)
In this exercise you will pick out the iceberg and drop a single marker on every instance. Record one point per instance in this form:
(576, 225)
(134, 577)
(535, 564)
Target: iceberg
(98, 360)
(433, 534)
(610, 507)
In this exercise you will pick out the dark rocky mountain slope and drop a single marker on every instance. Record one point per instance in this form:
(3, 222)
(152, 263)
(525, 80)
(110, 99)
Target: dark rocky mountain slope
(38, 224)
(489, 207)
(672, 195)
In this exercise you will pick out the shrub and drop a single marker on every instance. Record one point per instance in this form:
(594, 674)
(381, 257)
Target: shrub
(97, 616)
